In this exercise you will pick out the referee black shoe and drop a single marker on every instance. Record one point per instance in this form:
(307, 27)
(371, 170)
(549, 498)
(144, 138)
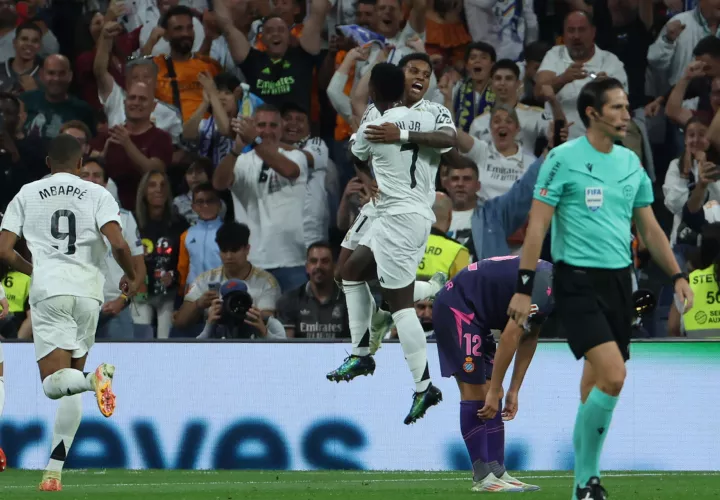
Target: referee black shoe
(593, 490)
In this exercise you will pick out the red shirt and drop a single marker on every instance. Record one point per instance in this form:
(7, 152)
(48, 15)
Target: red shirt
(154, 143)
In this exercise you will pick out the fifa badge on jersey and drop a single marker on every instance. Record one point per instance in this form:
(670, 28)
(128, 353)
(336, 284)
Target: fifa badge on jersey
(594, 198)
(468, 365)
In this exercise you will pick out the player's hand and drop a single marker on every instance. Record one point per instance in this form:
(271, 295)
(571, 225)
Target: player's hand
(5, 308)
(215, 311)
(574, 72)
(519, 308)
(207, 298)
(128, 286)
(387, 133)
(684, 293)
(492, 404)
(511, 405)
(113, 307)
(254, 318)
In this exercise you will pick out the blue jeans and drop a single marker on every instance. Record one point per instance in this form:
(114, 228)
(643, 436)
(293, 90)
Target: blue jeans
(118, 327)
(289, 278)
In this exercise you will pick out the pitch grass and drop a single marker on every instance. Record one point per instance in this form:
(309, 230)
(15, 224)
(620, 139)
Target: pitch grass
(337, 485)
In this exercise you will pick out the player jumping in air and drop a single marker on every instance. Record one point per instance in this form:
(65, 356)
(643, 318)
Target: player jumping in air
(417, 69)
(592, 190)
(63, 219)
(396, 240)
(464, 313)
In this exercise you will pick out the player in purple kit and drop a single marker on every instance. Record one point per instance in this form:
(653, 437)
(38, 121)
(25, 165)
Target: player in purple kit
(464, 313)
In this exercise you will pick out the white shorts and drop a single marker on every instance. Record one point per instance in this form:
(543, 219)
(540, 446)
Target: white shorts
(398, 245)
(357, 231)
(64, 322)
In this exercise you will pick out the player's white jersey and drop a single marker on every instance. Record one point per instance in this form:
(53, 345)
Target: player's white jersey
(60, 218)
(404, 178)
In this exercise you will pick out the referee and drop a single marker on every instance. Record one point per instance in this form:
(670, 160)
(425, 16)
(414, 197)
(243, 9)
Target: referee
(593, 190)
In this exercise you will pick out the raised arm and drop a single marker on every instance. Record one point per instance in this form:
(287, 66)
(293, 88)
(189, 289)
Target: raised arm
(104, 80)
(238, 43)
(418, 11)
(674, 108)
(311, 37)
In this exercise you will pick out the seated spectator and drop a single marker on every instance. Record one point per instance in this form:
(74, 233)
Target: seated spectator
(442, 253)
(22, 158)
(233, 239)
(81, 132)
(283, 72)
(471, 96)
(22, 73)
(198, 172)
(253, 326)
(505, 78)
(115, 319)
(423, 309)
(139, 70)
(51, 106)
(198, 250)
(177, 77)
(137, 146)
(502, 161)
(269, 183)
(315, 310)
(90, 33)
(8, 22)
(224, 98)
(682, 179)
(153, 39)
(160, 233)
(569, 67)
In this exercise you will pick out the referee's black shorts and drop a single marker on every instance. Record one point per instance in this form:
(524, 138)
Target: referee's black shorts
(592, 306)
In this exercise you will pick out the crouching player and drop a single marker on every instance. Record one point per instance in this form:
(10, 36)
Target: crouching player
(464, 313)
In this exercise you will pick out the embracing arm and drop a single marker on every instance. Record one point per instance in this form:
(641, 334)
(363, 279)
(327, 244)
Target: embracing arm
(440, 139)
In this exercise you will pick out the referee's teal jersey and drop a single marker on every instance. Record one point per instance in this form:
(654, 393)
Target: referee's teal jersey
(594, 195)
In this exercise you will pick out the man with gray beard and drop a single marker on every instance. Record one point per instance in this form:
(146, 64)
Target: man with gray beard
(317, 309)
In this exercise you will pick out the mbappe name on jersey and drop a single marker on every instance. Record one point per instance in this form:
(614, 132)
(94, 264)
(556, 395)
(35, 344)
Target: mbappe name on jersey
(62, 190)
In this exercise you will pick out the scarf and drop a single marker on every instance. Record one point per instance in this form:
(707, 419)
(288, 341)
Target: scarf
(464, 106)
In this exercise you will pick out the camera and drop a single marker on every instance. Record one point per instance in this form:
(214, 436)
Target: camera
(236, 302)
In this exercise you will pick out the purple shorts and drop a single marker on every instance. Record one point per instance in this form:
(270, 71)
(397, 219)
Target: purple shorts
(466, 349)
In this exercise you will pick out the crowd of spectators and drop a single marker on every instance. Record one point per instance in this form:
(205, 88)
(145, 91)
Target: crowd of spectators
(222, 128)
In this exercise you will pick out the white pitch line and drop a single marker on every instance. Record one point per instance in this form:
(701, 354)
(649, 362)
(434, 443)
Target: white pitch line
(347, 481)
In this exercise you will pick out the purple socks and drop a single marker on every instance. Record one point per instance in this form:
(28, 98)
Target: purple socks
(474, 432)
(496, 443)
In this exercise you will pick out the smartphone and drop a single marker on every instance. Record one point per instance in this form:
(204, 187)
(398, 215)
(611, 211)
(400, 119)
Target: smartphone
(557, 138)
(714, 173)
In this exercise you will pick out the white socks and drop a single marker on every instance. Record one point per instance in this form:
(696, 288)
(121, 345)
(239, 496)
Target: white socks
(414, 345)
(67, 421)
(360, 306)
(66, 382)
(2, 394)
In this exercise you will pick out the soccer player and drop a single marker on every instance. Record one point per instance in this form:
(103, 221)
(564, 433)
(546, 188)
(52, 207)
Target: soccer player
(464, 313)
(592, 190)
(396, 240)
(63, 219)
(417, 70)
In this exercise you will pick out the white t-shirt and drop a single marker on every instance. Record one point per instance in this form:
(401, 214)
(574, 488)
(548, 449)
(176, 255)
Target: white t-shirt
(262, 286)
(557, 60)
(461, 225)
(404, 177)
(273, 207)
(112, 271)
(497, 172)
(164, 116)
(533, 124)
(60, 218)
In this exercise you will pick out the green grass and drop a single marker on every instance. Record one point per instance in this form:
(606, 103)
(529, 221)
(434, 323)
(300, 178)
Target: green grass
(327, 485)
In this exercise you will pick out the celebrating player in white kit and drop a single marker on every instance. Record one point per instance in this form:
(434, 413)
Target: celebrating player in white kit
(397, 237)
(63, 219)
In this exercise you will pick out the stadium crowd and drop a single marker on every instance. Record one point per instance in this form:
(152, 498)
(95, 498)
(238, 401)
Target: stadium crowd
(169, 99)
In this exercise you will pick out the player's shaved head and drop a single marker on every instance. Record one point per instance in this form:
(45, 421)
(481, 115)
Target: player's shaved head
(64, 154)
(387, 84)
(443, 212)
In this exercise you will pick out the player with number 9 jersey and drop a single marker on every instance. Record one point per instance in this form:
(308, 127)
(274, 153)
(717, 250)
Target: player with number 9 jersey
(60, 218)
